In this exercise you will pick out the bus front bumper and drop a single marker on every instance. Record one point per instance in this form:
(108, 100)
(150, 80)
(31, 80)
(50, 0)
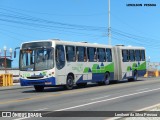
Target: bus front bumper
(45, 82)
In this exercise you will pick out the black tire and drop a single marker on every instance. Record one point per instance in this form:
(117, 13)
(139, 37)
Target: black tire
(134, 78)
(106, 79)
(81, 84)
(69, 82)
(39, 88)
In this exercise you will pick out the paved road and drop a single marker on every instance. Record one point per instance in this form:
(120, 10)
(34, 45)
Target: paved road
(121, 96)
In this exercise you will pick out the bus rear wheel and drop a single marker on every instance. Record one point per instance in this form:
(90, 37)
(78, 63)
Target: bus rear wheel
(134, 78)
(39, 88)
(106, 79)
(69, 82)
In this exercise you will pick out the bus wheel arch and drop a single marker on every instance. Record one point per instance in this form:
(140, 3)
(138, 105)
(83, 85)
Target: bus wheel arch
(69, 81)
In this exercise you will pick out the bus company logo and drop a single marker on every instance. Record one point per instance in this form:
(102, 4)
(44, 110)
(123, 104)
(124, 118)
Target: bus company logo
(78, 68)
(6, 114)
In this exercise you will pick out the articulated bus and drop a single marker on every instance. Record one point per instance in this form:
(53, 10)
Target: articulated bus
(63, 63)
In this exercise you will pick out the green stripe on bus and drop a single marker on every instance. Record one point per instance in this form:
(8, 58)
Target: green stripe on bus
(99, 69)
(135, 66)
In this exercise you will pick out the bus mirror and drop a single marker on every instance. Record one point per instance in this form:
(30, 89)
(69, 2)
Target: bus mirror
(14, 54)
(15, 51)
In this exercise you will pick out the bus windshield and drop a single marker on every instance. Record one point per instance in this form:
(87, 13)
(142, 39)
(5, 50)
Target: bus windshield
(36, 59)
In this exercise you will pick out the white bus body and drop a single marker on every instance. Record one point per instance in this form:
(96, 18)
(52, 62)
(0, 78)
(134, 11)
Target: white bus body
(55, 62)
(129, 67)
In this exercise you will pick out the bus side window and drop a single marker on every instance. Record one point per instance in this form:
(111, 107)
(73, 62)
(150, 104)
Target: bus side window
(125, 55)
(80, 53)
(95, 55)
(85, 55)
(108, 55)
(137, 55)
(91, 54)
(143, 55)
(70, 53)
(101, 55)
(131, 55)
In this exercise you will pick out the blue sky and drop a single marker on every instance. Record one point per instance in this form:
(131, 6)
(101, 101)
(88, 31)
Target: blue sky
(80, 20)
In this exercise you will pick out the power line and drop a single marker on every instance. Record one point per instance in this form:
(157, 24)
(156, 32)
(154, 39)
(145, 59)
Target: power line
(134, 40)
(25, 17)
(45, 13)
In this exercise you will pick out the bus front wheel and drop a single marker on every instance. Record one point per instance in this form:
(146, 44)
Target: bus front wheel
(69, 82)
(39, 88)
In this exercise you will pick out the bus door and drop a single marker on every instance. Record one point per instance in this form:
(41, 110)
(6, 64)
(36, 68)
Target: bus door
(60, 64)
(127, 56)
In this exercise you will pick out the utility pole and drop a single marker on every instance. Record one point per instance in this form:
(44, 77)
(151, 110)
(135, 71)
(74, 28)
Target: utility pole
(109, 24)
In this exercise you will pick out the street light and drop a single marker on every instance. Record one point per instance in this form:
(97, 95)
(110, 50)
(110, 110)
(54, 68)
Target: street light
(5, 56)
(5, 48)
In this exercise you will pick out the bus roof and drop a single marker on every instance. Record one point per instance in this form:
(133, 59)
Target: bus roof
(58, 41)
(129, 47)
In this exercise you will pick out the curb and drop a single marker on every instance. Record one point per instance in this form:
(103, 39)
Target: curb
(14, 87)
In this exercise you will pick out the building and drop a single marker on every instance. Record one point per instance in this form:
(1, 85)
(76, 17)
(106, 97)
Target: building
(8, 62)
